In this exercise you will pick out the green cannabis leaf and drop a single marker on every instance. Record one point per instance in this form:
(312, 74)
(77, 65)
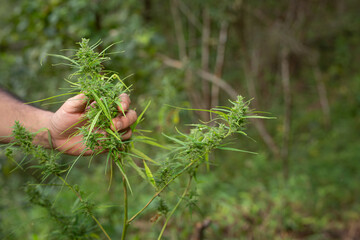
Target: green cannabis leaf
(102, 88)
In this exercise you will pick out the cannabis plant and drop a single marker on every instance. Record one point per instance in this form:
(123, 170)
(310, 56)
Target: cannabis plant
(184, 154)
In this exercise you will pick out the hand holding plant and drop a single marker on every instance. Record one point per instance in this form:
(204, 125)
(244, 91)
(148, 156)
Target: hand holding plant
(98, 120)
(71, 115)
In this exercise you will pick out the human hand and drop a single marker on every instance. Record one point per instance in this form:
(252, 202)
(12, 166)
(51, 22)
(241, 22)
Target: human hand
(65, 121)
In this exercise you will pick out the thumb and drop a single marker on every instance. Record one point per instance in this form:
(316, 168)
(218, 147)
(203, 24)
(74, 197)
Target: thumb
(76, 104)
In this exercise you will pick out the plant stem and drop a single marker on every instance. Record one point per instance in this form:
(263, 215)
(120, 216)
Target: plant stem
(160, 191)
(125, 224)
(81, 200)
(100, 226)
(174, 209)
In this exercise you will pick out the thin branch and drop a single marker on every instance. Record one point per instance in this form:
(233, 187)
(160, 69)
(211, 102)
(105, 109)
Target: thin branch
(199, 230)
(324, 101)
(192, 42)
(190, 15)
(219, 82)
(220, 56)
(205, 59)
(219, 64)
(250, 72)
(194, 96)
(180, 37)
(203, 74)
(174, 209)
(251, 69)
(179, 32)
(283, 33)
(125, 224)
(285, 79)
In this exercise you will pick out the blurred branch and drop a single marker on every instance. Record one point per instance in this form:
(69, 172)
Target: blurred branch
(219, 64)
(199, 231)
(285, 79)
(147, 10)
(283, 33)
(190, 15)
(250, 64)
(194, 96)
(180, 37)
(203, 74)
(205, 56)
(192, 43)
(259, 124)
(324, 101)
(179, 32)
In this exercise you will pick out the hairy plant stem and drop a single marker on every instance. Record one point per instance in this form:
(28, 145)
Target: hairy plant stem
(81, 200)
(176, 206)
(160, 191)
(125, 224)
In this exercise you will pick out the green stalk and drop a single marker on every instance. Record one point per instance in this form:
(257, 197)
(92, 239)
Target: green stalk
(125, 224)
(174, 209)
(100, 226)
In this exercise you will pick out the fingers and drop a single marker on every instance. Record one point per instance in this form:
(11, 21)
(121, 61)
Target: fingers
(75, 104)
(125, 102)
(126, 134)
(122, 122)
(78, 103)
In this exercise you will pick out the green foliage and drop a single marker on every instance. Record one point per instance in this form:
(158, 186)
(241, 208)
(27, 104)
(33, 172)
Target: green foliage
(102, 92)
(102, 89)
(76, 226)
(47, 160)
(246, 195)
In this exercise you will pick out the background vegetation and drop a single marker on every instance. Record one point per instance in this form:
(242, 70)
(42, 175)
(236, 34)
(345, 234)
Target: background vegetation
(298, 60)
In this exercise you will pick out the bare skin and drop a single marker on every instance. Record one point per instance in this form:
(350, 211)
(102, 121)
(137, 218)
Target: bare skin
(61, 124)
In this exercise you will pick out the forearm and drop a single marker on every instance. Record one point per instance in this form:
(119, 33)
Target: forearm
(31, 118)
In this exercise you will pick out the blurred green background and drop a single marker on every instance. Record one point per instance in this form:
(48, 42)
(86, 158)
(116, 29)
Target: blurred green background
(297, 60)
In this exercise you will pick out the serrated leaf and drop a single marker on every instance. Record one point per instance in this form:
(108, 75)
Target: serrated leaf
(149, 175)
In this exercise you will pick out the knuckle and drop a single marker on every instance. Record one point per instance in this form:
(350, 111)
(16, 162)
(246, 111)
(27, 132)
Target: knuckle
(127, 134)
(132, 113)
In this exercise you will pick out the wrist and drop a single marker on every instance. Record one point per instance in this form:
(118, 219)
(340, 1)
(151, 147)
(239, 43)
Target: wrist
(42, 128)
